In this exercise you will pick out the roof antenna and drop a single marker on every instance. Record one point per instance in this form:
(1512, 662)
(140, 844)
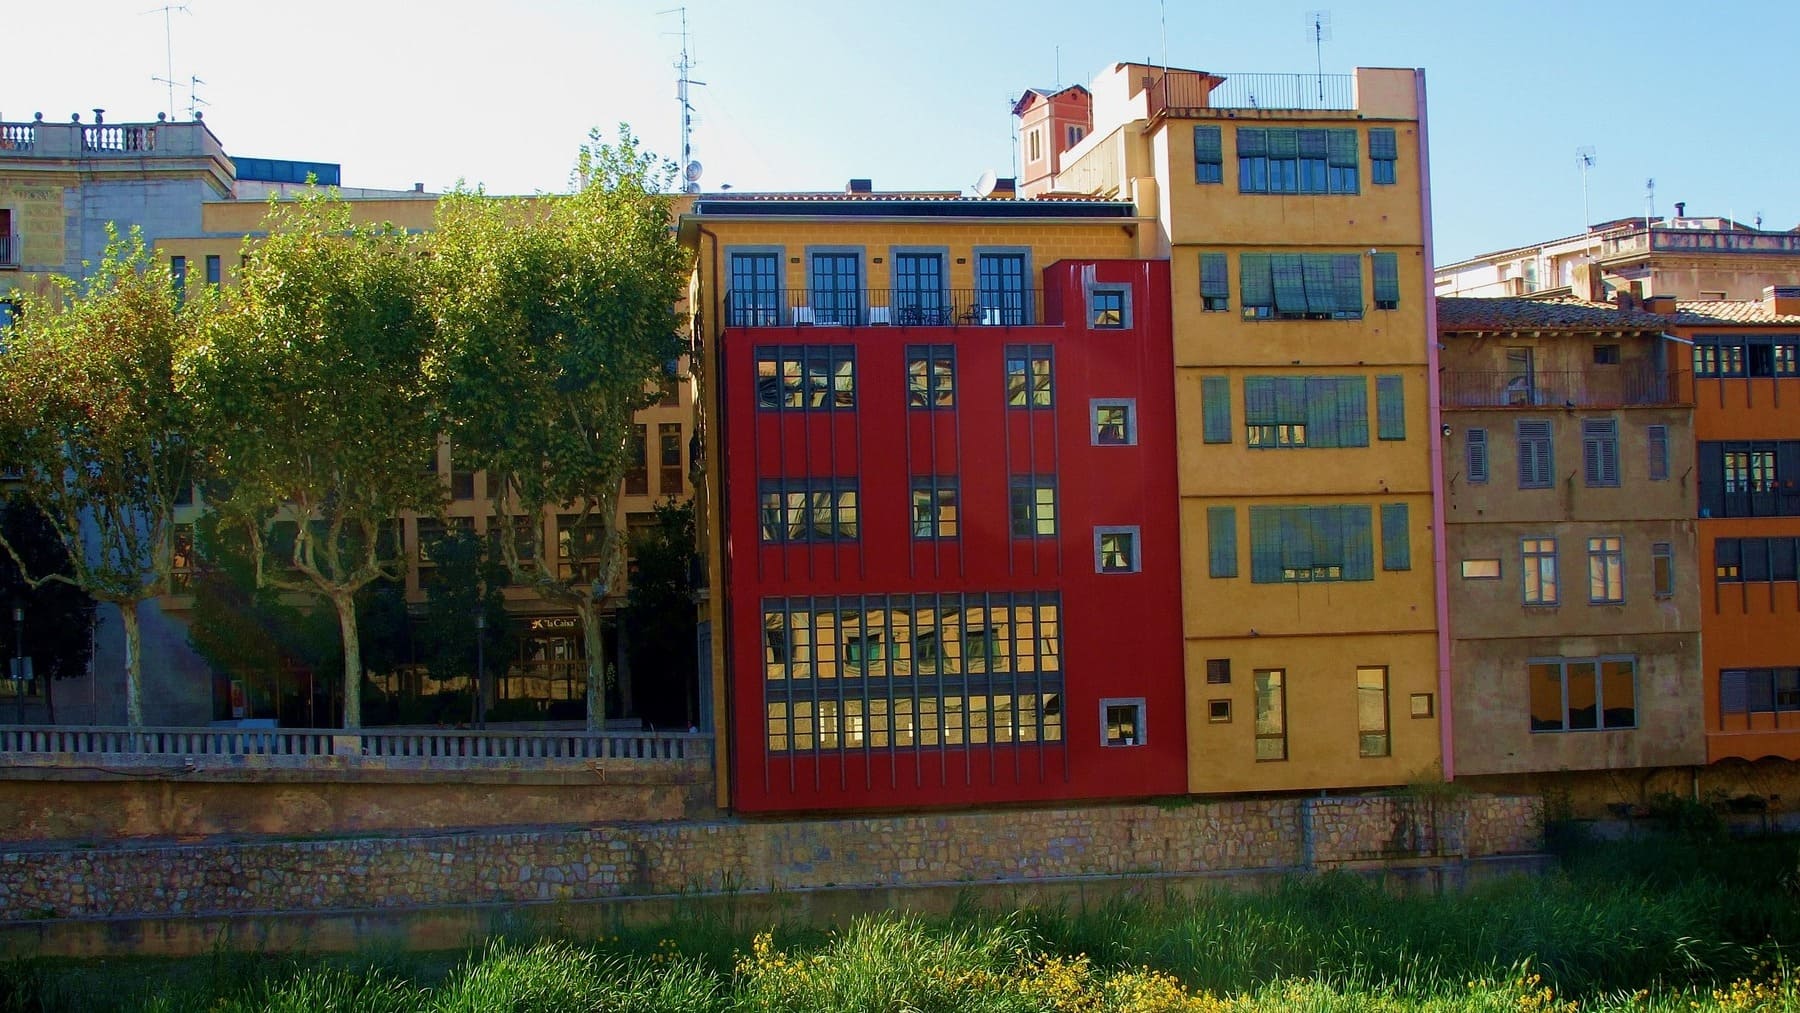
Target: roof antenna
(1318, 25)
(1585, 157)
(169, 49)
(1059, 68)
(1650, 198)
(690, 168)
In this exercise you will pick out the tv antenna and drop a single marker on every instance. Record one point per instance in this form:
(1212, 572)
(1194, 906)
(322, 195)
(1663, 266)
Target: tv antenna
(1650, 201)
(690, 168)
(1585, 157)
(169, 49)
(1318, 27)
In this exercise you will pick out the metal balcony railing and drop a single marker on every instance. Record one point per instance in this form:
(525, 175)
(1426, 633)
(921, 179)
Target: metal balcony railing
(876, 307)
(9, 250)
(1563, 389)
(304, 747)
(1253, 91)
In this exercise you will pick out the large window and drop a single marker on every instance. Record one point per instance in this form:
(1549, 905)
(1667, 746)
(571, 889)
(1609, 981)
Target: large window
(837, 287)
(920, 298)
(1539, 559)
(1283, 160)
(1751, 355)
(1034, 506)
(808, 509)
(1296, 286)
(1300, 544)
(1537, 458)
(934, 507)
(1759, 690)
(1738, 560)
(1372, 738)
(1271, 714)
(1600, 452)
(931, 376)
(806, 378)
(1606, 570)
(668, 450)
(1303, 411)
(905, 671)
(1002, 294)
(1760, 479)
(1029, 380)
(754, 298)
(1582, 694)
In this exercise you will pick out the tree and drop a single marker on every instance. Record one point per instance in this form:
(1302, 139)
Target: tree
(556, 314)
(660, 615)
(91, 414)
(465, 583)
(318, 404)
(60, 638)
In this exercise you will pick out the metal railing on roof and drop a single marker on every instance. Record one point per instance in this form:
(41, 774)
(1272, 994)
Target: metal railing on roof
(1254, 91)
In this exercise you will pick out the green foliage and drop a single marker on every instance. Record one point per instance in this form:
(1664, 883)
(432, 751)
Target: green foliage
(1695, 819)
(59, 617)
(465, 581)
(660, 614)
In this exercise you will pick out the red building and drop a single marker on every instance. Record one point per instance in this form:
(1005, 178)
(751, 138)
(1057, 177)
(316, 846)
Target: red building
(948, 521)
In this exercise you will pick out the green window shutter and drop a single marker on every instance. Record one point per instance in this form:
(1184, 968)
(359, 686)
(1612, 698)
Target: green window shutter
(1252, 142)
(1259, 401)
(1390, 407)
(1353, 411)
(1215, 409)
(1296, 538)
(1290, 282)
(1214, 281)
(1387, 280)
(1312, 143)
(1343, 148)
(1290, 400)
(1396, 539)
(1346, 275)
(1316, 270)
(1265, 544)
(1221, 541)
(1255, 285)
(1284, 143)
(1381, 143)
(1322, 412)
(1206, 145)
(1359, 543)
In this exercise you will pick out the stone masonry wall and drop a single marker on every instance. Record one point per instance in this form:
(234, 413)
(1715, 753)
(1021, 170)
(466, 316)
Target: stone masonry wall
(650, 859)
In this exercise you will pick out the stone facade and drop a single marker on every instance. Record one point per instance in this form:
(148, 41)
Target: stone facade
(700, 857)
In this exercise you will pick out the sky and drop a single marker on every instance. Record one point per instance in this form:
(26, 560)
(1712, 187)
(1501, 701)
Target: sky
(806, 94)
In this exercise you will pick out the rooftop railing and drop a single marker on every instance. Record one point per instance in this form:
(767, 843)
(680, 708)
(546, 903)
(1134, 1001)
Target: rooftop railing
(1562, 389)
(876, 307)
(1254, 91)
(17, 136)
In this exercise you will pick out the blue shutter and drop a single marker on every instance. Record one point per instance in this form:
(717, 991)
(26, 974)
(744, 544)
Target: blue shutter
(1207, 155)
(1255, 287)
(1215, 409)
(1259, 401)
(1343, 149)
(1221, 541)
(1353, 411)
(1475, 442)
(1322, 415)
(1390, 407)
(1359, 543)
(1381, 143)
(1288, 273)
(1214, 282)
(1734, 692)
(1265, 544)
(1396, 540)
(1346, 285)
(1600, 451)
(1252, 141)
(1387, 280)
(1320, 294)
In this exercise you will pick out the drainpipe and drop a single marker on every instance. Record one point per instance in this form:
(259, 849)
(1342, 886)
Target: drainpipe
(1434, 381)
(723, 742)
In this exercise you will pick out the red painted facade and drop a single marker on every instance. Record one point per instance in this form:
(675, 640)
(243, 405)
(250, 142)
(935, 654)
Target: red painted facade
(1111, 635)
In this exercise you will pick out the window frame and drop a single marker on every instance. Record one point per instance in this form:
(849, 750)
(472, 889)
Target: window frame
(1542, 458)
(759, 306)
(1031, 394)
(1662, 569)
(1270, 682)
(1022, 315)
(1598, 662)
(821, 496)
(850, 306)
(1134, 550)
(1600, 452)
(1140, 722)
(1128, 405)
(939, 390)
(798, 384)
(914, 305)
(1610, 558)
(1209, 159)
(1095, 292)
(1364, 734)
(934, 488)
(1033, 518)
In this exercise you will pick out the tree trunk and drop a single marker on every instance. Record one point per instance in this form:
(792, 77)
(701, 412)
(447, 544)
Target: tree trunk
(589, 613)
(134, 665)
(346, 610)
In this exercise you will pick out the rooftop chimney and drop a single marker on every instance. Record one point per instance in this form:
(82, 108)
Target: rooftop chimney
(1661, 304)
(860, 186)
(418, 188)
(1005, 188)
(1781, 300)
(1681, 209)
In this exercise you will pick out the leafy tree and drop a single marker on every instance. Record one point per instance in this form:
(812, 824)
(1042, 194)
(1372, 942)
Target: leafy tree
(317, 403)
(60, 617)
(660, 614)
(556, 314)
(465, 582)
(91, 413)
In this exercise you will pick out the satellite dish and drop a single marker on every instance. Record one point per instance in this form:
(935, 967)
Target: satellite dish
(692, 188)
(692, 172)
(985, 185)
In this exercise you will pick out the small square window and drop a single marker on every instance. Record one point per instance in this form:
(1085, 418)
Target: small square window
(1481, 569)
(1116, 550)
(1606, 355)
(1218, 711)
(1122, 722)
(1115, 422)
(1218, 671)
(1108, 309)
(1421, 705)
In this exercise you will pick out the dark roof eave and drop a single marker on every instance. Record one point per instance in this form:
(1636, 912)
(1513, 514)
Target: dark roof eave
(778, 208)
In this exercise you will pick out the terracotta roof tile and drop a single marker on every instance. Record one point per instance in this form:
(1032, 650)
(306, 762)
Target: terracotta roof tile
(1729, 311)
(1464, 314)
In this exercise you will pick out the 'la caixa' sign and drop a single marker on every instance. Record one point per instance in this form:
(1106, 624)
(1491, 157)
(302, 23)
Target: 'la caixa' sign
(544, 624)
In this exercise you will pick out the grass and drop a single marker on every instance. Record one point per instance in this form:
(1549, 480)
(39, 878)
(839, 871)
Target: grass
(1670, 924)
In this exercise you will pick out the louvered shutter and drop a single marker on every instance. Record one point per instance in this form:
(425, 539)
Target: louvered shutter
(1290, 283)
(1221, 541)
(1321, 295)
(1396, 539)
(1214, 281)
(1476, 445)
(1255, 285)
(1390, 407)
(1734, 692)
(1215, 409)
(1346, 284)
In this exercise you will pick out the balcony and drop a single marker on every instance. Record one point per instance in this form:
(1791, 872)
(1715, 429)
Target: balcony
(1014, 307)
(1624, 388)
(9, 250)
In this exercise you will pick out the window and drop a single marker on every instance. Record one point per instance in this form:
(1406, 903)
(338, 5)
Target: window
(1034, 506)
(919, 298)
(1285, 160)
(1728, 560)
(1755, 559)
(1521, 376)
(1218, 671)
(1759, 479)
(1606, 570)
(1109, 308)
(934, 507)
(1753, 355)
(178, 276)
(668, 442)
(1300, 544)
(1662, 569)
(808, 509)
(1600, 452)
(1221, 541)
(1074, 134)
(1215, 409)
(1716, 358)
(1420, 706)
(806, 378)
(931, 376)
(462, 484)
(1759, 690)
(1372, 713)
(1306, 411)
(1481, 569)
(1396, 537)
(1028, 376)
(1606, 355)
(754, 298)
(1218, 712)
(1657, 438)
(1536, 457)
(1383, 153)
(1475, 449)
(1035, 142)
(1116, 550)
(668, 386)
(1115, 422)
(1582, 694)
(1390, 408)
(1122, 722)
(1215, 282)
(1538, 564)
(1271, 715)
(212, 269)
(1001, 294)
(1387, 280)
(1294, 286)
(1209, 161)
(579, 546)
(836, 287)
(637, 468)
(181, 558)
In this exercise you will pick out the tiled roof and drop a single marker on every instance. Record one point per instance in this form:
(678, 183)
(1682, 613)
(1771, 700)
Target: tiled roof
(936, 196)
(1463, 314)
(1729, 311)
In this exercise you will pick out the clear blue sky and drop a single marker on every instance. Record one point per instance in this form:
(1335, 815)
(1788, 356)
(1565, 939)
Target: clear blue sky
(805, 94)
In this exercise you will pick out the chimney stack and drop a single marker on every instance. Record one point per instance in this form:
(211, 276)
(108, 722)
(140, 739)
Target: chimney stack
(1781, 300)
(857, 186)
(1681, 209)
